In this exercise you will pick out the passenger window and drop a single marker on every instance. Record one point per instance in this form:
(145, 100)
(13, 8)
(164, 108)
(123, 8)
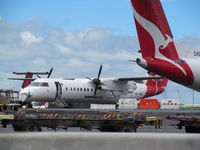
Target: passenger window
(77, 89)
(74, 89)
(66, 88)
(81, 89)
(91, 89)
(84, 89)
(88, 89)
(71, 88)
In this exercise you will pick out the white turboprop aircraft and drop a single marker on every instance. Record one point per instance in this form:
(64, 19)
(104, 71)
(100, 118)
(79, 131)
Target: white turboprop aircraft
(87, 90)
(160, 54)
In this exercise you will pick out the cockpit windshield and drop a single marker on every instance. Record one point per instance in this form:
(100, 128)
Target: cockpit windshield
(44, 84)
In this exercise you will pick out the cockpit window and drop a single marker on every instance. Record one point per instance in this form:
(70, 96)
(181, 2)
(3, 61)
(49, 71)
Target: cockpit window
(44, 84)
(35, 83)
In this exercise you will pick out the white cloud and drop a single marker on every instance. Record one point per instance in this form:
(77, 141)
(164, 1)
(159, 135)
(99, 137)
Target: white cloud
(97, 55)
(1, 19)
(73, 40)
(66, 50)
(29, 38)
(193, 41)
(76, 63)
(8, 84)
(39, 62)
(98, 34)
(10, 53)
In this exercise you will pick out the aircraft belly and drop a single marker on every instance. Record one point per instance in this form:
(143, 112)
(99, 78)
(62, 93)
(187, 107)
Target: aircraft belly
(92, 100)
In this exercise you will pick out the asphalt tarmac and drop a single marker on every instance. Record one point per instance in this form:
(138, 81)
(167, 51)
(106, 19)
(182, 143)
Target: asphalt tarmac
(145, 129)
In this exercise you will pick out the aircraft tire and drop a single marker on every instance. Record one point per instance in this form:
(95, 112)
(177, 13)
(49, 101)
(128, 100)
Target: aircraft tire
(108, 129)
(191, 129)
(128, 128)
(17, 128)
(31, 127)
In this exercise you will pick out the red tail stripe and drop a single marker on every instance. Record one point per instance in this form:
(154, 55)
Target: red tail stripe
(27, 82)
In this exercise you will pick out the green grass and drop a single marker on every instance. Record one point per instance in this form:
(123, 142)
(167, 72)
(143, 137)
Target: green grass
(190, 108)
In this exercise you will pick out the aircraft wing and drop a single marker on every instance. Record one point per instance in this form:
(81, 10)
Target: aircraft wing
(138, 78)
(31, 79)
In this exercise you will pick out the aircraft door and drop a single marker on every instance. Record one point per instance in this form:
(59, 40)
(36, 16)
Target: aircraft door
(58, 90)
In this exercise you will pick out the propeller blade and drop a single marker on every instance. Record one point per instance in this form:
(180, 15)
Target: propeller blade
(100, 69)
(49, 74)
(38, 76)
(95, 90)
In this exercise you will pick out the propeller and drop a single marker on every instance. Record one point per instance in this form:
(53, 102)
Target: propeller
(49, 74)
(96, 81)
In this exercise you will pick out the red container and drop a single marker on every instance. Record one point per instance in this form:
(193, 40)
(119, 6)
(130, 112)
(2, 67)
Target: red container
(149, 104)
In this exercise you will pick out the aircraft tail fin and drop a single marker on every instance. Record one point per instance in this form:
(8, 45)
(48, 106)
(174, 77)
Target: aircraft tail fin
(27, 82)
(155, 87)
(158, 82)
(153, 31)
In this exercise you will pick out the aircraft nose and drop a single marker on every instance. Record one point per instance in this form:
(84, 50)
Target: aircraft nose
(24, 95)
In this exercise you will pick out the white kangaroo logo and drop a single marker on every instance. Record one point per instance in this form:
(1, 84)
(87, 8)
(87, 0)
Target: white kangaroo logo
(157, 37)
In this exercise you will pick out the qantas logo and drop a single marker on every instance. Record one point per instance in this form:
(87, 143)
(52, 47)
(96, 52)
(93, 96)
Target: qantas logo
(160, 42)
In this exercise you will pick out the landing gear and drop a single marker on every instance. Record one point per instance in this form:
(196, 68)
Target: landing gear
(128, 128)
(27, 126)
(29, 105)
(191, 129)
(122, 128)
(26, 105)
(17, 128)
(108, 129)
(30, 126)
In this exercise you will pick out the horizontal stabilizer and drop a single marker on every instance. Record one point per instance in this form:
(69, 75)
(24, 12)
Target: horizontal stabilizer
(31, 79)
(37, 73)
(132, 60)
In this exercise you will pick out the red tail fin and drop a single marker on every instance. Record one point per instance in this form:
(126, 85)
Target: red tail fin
(153, 30)
(155, 87)
(158, 83)
(158, 50)
(27, 82)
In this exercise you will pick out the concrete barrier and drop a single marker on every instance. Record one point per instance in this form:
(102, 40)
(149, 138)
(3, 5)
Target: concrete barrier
(98, 141)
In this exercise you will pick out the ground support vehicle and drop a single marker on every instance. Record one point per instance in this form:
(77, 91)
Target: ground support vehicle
(10, 106)
(154, 121)
(103, 120)
(191, 122)
(190, 119)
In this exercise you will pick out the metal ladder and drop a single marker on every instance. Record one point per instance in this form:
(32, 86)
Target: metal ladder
(60, 101)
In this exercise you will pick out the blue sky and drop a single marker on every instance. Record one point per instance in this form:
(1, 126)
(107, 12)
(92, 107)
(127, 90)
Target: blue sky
(115, 14)
(74, 34)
